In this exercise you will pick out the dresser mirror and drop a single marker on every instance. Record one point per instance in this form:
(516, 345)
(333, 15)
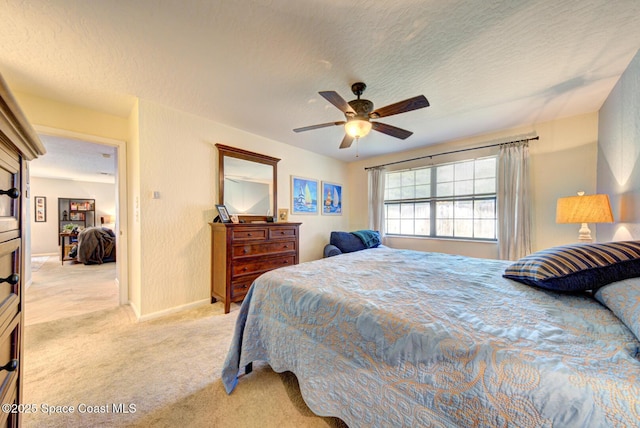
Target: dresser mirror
(247, 183)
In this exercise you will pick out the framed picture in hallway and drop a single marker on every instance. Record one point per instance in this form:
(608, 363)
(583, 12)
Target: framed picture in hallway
(40, 207)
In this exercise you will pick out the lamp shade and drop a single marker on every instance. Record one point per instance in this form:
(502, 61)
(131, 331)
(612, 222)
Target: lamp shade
(107, 219)
(357, 128)
(584, 209)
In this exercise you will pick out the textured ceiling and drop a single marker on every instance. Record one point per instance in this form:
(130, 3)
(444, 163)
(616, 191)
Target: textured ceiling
(75, 160)
(258, 65)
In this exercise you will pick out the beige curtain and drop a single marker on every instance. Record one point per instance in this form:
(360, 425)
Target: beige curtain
(514, 201)
(376, 199)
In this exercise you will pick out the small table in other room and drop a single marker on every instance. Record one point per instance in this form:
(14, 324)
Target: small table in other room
(66, 239)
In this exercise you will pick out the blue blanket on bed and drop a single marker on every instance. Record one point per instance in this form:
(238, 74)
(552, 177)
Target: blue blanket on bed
(369, 238)
(402, 338)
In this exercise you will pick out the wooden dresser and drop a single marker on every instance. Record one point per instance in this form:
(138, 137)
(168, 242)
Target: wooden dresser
(18, 143)
(240, 252)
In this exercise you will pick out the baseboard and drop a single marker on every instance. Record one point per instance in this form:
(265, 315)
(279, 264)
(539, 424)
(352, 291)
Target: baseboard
(135, 309)
(173, 310)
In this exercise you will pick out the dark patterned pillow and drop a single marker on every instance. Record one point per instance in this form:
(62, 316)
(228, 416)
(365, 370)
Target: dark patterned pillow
(578, 267)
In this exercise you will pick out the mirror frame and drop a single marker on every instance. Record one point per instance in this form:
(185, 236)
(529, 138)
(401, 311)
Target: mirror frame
(233, 152)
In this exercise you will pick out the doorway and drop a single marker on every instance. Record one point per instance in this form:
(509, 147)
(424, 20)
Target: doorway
(77, 166)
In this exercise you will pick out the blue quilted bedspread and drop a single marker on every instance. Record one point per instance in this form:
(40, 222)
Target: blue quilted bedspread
(385, 337)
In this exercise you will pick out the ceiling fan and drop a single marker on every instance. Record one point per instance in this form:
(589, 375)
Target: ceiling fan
(358, 113)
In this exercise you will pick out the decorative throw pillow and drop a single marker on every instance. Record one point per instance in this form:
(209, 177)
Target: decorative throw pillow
(331, 250)
(578, 267)
(623, 299)
(346, 242)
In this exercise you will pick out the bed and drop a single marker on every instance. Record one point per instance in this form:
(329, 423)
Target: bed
(96, 245)
(386, 337)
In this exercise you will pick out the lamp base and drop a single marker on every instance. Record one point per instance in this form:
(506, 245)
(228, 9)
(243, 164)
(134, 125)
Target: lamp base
(584, 234)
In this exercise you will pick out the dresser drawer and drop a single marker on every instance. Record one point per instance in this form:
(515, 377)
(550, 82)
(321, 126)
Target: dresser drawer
(264, 248)
(9, 318)
(248, 233)
(239, 288)
(9, 293)
(9, 352)
(9, 206)
(260, 265)
(279, 232)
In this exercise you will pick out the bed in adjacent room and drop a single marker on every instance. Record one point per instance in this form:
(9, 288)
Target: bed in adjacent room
(96, 245)
(385, 337)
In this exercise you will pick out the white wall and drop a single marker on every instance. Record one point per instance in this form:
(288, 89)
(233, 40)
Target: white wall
(563, 162)
(177, 158)
(47, 113)
(44, 235)
(619, 155)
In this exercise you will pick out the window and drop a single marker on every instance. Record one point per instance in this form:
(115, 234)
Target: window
(454, 200)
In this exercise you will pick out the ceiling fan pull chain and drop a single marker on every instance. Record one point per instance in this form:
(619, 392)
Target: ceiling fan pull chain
(357, 139)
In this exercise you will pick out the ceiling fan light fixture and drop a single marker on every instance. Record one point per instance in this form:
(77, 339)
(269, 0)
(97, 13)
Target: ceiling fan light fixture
(358, 112)
(357, 128)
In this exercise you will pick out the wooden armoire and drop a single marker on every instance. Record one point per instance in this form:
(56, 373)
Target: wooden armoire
(18, 144)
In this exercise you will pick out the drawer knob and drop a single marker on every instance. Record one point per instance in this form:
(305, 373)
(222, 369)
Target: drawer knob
(244, 269)
(12, 279)
(248, 234)
(245, 251)
(285, 262)
(13, 193)
(10, 366)
(282, 232)
(285, 246)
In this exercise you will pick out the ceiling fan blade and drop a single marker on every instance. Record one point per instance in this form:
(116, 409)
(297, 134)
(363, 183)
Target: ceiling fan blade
(394, 131)
(401, 107)
(322, 125)
(346, 141)
(334, 98)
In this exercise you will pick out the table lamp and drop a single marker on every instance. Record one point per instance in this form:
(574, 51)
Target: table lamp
(584, 209)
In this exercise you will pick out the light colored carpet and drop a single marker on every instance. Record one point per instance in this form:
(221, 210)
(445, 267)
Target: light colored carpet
(59, 291)
(168, 368)
(37, 262)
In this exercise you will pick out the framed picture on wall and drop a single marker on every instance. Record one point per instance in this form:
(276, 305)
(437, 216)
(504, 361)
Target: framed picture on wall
(304, 195)
(40, 206)
(331, 198)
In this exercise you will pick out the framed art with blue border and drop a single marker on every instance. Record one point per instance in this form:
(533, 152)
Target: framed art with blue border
(304, 195)
(331, 198)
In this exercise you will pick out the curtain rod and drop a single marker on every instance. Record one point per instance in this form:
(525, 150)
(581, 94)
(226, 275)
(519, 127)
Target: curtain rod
(452, 151)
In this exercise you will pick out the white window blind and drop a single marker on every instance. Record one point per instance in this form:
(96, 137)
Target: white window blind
(453, 200)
